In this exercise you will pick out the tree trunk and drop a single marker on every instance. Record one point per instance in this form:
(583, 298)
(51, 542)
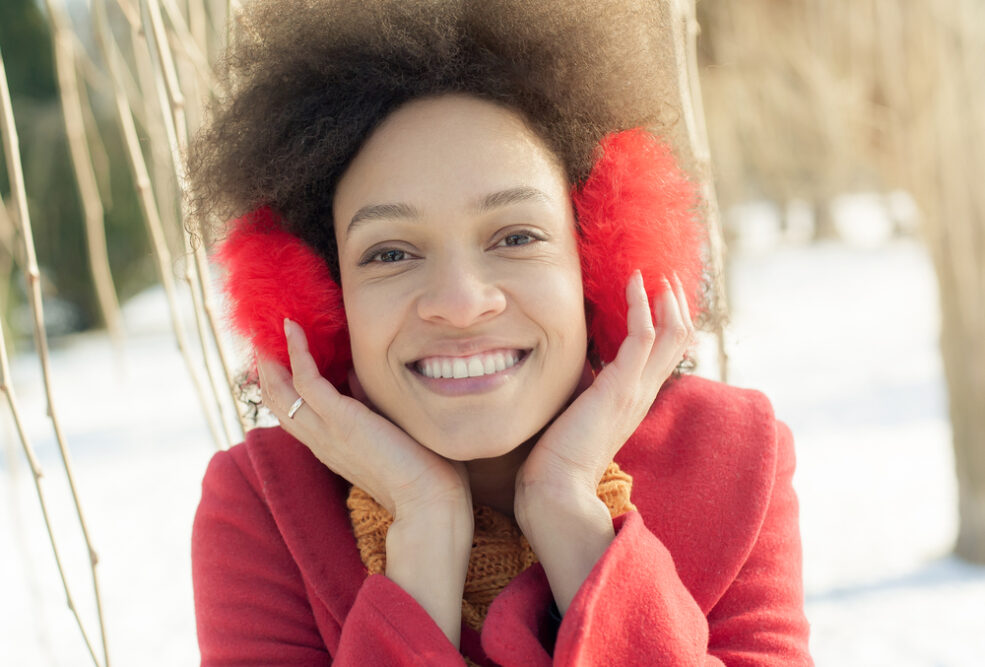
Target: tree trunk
(964, 363)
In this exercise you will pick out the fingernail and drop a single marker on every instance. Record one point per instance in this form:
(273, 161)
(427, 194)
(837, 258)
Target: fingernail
(287, 330)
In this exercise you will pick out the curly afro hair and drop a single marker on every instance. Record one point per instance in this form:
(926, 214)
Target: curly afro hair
(309, 80)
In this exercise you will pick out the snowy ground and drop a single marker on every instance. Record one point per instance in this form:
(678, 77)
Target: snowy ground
(841, 338)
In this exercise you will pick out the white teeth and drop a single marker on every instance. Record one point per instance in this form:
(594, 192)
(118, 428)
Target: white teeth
(464, 367)
(489, 364)
(500, 360)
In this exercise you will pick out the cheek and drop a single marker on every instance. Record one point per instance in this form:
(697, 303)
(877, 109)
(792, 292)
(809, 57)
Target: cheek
(373, 323)
(558, 303)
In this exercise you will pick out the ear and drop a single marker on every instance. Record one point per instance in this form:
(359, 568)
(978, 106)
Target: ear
(636, 210)
(271, 274)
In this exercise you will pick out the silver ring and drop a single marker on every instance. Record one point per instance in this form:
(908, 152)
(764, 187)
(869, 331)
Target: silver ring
(294, 408)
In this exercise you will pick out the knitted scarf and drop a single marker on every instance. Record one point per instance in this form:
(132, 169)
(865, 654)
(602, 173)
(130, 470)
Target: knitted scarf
(499, 550)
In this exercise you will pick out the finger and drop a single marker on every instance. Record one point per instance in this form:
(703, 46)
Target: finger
(683, 304)
(635, 349)
(276, 389)
(278, 395)
(307, 380)
(671, 339)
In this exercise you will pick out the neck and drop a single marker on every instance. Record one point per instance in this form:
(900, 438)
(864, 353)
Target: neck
(493, 481)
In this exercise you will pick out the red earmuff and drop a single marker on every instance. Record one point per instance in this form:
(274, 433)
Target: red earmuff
(636, 210)
(272, 274)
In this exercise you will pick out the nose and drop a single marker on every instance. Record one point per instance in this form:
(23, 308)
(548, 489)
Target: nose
(458, 294)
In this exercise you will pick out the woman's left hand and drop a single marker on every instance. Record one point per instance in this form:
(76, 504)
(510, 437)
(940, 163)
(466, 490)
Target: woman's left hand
(576, 449)
(556, 504)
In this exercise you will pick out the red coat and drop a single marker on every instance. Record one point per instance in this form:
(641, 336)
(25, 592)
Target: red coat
(708, 571)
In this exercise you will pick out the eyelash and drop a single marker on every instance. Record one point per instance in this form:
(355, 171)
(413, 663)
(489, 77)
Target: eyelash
(371, 258)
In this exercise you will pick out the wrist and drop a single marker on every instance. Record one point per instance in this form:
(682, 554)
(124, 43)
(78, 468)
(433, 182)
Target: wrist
(569, 531)
(440, 499)
(427, 554)
(567, 506)
(449, 524)
(558, 496)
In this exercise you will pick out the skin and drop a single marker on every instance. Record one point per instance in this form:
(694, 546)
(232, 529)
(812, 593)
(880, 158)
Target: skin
(432, 274)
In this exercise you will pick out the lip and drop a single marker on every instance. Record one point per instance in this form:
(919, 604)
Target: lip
(469, 385)
(467, 347)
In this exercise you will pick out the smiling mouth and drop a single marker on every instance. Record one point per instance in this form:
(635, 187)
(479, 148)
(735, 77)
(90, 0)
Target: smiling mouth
(476, 365)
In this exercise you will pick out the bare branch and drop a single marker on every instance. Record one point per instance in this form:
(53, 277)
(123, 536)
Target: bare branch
(85, 176)
(149, 208)
(19, 195)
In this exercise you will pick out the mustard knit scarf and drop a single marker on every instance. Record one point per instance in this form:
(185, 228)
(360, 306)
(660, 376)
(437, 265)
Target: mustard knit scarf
(499, 550)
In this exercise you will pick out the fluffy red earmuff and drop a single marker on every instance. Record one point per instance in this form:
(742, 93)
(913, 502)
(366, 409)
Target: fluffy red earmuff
(272, 274)
(636, 210)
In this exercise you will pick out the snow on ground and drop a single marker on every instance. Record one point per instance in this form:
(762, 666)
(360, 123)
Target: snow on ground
(841, 338)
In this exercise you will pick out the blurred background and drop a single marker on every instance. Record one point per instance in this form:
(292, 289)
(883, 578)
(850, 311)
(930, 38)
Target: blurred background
(839, 145)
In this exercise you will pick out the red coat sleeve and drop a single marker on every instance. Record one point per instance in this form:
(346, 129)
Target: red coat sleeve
(634, 609)
(253, 606)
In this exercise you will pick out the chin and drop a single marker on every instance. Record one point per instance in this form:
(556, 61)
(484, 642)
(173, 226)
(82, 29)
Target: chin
(473, 443)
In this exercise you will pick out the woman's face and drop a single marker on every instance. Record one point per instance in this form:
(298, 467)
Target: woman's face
(460, 276)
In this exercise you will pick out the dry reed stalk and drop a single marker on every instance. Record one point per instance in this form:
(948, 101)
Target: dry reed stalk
(148, 206)
(776, 100)
(36, 474)
(958, 212)
(97, 148)
(188, 45)
(88, 70)
(130, 12)
(198, 26)
(85, 176)
(19, 195)
(686, 30)
(197, 274)
(190, 274)
(8, 241)
(232, 10)
(156, 147)
(891, 94)
(937, 136)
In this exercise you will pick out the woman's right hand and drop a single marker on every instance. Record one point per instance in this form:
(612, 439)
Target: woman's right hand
(430, 540)
(351, 439)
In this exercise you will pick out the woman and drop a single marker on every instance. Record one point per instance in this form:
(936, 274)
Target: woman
(467, 279)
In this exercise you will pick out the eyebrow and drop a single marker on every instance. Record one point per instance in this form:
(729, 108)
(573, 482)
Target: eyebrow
(491, 201)
(510, 196)
(380, 212)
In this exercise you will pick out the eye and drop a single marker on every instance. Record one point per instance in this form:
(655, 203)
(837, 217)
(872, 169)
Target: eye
(517, 238)
(384, 256)
(391, 255)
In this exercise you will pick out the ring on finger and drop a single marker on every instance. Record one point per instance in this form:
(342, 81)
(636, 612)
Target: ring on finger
(295, 407)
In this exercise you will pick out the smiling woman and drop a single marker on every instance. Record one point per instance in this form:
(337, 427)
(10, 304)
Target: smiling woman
(479, 264)
(470, 283)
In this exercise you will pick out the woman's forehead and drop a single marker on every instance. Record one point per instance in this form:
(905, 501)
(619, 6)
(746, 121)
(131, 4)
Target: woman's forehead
(449, 147)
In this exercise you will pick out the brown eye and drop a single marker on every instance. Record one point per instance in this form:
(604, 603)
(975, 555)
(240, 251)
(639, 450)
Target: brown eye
(518, 238)
(391, 255)
(385, 256)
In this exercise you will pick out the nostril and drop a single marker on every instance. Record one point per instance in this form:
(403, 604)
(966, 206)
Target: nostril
(461, 302)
